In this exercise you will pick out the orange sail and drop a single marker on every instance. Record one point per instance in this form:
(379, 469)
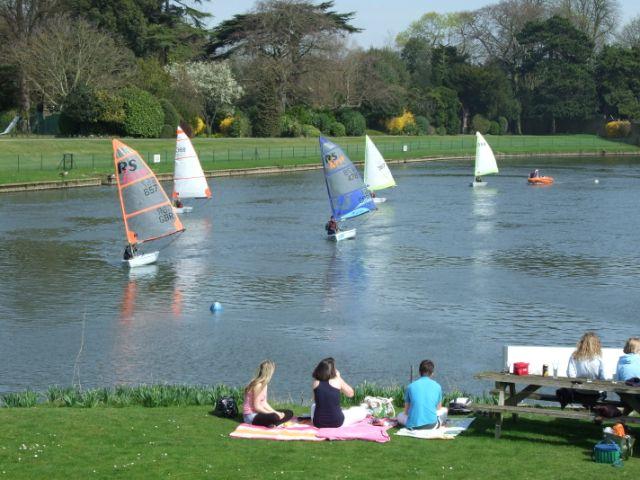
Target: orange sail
(146, 210)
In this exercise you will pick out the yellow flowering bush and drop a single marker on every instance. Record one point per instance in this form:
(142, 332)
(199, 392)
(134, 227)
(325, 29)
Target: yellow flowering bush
(199, 126)
(225, 125)
(403, 124)
(618, 129)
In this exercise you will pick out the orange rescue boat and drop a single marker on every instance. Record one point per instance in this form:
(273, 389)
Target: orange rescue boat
(540, 180)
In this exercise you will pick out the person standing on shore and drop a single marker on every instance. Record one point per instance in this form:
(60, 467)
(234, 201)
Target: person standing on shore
(255, 409)
(423, 401)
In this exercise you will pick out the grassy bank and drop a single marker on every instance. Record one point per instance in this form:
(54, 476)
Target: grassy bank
(39, 158)
(187, 442)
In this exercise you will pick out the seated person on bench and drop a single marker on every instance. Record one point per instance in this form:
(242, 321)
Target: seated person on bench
(586, 360)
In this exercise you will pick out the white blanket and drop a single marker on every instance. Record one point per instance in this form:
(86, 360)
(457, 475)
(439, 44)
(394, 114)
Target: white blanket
(454, 427)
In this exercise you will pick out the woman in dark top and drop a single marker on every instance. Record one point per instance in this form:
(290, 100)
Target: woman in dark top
(327, 387)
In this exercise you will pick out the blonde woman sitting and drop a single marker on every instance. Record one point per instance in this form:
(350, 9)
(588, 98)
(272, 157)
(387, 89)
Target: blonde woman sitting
(256, 410)
(586, 361)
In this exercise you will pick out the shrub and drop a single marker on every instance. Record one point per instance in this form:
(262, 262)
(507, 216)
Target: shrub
(618, 129)
(171, 115)
(480, 124)
(422, 124)
(303, 114)
(336, 129)
(354, 122)
(198, 126)
(494, 128)
(236, 126)
(504, 125)
(290, 126)
(241, 126)
(310, 131)
(143, 113)
(111, 117)
(322, 121)
(79, 112)
(441, 130)
(168, 131)
(404, 124)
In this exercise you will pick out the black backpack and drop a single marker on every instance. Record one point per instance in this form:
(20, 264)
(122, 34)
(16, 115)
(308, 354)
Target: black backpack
(226, 407)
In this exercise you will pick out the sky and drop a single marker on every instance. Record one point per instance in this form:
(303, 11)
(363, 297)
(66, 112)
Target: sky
(382, 20)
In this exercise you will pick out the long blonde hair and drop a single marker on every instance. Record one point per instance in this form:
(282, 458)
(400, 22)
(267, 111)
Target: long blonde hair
(263, 375)
(588, 347)
(632, 345)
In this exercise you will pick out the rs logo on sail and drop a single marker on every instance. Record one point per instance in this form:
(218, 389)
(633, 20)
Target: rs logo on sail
(131, 165)
(334, 161)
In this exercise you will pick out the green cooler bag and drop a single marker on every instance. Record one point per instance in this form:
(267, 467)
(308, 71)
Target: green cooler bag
(606, 452)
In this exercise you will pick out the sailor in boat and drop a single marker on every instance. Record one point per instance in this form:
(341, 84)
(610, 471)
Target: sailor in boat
(373, 194)
(130, 251)
(332, 226)
(535, 174)
(179, 203)
(478, 179)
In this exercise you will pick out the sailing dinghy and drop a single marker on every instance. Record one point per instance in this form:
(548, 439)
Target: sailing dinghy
(188, 178)
(348, 195)
(146, 210)
(485, 161)
(377, 175)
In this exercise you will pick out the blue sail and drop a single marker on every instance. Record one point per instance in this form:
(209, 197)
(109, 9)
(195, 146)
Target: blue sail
(347, 193)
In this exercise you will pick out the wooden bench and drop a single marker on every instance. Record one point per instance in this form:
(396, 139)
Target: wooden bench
(509, 398)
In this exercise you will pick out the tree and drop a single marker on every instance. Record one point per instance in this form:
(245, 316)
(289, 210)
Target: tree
(629, 36)
(598, 19)
(166, 29)
(384, 81)
(19, 19)
(214, 83)
(617, 81)
(556, 71)
(284, 41)
(63, 55)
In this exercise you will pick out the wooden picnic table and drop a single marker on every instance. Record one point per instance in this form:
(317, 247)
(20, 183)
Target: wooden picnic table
(510, 398)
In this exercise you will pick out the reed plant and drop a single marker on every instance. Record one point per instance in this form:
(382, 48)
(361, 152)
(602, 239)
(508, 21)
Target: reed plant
(20, 399)
(166, 395)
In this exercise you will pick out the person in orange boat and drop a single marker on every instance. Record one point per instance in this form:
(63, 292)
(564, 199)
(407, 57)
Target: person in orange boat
(535, 174)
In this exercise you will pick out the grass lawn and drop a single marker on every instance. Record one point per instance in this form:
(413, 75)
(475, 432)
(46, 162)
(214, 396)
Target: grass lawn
(39, 158)
(186, 442)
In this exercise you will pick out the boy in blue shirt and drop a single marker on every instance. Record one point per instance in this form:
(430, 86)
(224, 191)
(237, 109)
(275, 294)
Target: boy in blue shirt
(423, 401)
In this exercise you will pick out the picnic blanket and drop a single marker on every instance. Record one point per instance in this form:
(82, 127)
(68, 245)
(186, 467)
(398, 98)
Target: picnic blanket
(454, 428)
(302, 431)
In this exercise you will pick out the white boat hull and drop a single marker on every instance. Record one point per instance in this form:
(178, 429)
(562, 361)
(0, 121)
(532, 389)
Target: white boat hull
(379, 200)
(475, 184)
(140, 260)
(183, 209)
(342, 235)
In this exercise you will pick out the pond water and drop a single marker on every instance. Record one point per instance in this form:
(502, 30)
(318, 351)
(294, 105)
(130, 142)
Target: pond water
(440, 271)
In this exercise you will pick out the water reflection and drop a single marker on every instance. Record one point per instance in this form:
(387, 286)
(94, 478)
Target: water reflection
(503, 265)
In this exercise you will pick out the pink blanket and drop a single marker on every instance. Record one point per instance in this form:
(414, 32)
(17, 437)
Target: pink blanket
(301, 431)
(358, 431)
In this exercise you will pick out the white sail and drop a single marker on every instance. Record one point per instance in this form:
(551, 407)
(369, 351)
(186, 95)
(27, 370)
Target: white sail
(377, 175)
(485, 160)
(188, 179)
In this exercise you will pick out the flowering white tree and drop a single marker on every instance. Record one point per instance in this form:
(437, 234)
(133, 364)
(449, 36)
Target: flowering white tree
(213, 82)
